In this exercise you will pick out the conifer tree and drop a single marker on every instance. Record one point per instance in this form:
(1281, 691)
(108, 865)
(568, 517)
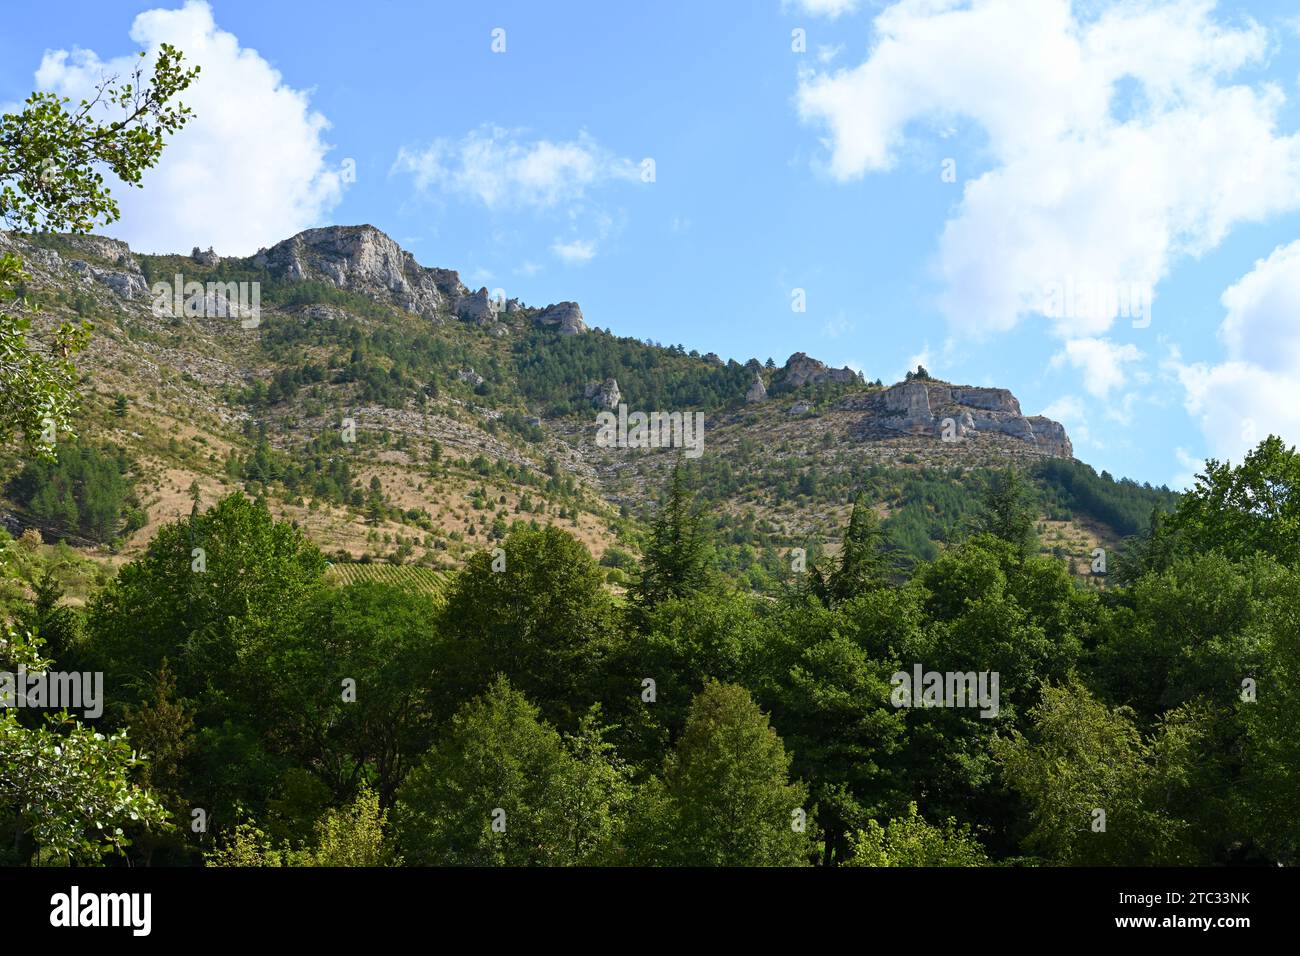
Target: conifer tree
(1007, 513)
(862, 562)
(676, 563)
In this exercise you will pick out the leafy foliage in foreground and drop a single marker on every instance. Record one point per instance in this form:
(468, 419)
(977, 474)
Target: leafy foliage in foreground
(530, 719)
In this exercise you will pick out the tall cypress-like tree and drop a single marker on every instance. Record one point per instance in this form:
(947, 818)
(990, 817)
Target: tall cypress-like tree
(1007, 513)
(676, 563)
(862, 562)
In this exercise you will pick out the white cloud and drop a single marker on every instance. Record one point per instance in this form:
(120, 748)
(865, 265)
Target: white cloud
(824, 8)
(575, 251)
(1255, 391)
(1078, 190)
(1261, 325)
(248, 170)
(1101, 362)
(496, 167)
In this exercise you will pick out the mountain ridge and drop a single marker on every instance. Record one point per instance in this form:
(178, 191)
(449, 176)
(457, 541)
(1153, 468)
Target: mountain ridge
(472, 412)
(362, 259)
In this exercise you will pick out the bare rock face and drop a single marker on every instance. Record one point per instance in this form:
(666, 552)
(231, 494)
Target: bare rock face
(911, 402)
(564, 317)
(478, 308)
(126, 284)
(966, 425)
(920, 407)
(801, 370)
(604, 394)
(362, 259)
(113, 264)
(1050, 436)
(757, 392)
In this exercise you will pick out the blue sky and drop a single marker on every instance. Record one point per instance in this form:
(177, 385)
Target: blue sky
(1123, 148)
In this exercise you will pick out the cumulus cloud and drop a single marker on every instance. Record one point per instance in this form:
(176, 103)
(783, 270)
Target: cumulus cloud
(1101, 362)
(1118, 143)
(1255, 390)
(500, 169)
(250, 167)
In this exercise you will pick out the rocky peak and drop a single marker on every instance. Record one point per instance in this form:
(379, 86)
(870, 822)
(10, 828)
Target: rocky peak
(800, 370)
(478, 308)
(364, 260)
(757, 391)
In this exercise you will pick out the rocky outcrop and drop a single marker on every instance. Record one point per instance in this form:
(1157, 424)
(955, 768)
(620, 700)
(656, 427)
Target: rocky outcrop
(564, 317)
(126, 283)
(362, 259)
(1050, 435)
(108, 252)
(800, 370)
(945, 411)
(757, 392)
(909, 403)
(478, 308)
(208, 258)
(109, 262)
(604, 394)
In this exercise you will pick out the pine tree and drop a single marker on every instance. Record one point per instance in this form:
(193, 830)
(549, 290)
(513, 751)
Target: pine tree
(862, 564)
(676, 563)
(1007, 513)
